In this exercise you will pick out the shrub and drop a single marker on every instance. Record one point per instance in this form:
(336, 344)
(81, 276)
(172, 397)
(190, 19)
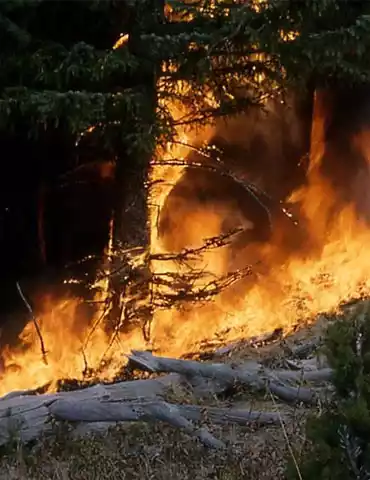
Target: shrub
(339, 437)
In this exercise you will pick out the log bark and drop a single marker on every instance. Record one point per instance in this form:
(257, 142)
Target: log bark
(251, 374)
(25, 415)
(107, 411)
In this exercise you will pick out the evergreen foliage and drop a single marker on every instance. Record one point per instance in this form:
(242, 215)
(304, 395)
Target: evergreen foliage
(240, 54)
(340, 435)
(58, 67)
(57, 62)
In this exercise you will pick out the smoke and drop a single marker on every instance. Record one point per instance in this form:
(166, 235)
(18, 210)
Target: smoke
(271, 148)
(266, 146)
(342, 140)
(262, 147)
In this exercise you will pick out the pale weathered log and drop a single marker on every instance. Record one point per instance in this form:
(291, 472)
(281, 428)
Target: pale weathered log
(17, 393)
(105, 411)
(124, 390)
(253, 377)
(313, 376)
(174, 414)
(108, 411)
(25, 416)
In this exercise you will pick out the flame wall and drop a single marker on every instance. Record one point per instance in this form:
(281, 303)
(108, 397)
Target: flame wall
(297, 272)
(263, 148)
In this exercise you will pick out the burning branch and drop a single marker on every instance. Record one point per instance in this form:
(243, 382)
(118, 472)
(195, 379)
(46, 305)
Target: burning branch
(34, 319)
(183, 289)
(169, 289)
(192, 253)
(262, 198)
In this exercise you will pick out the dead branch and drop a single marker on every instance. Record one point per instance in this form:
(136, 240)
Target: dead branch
(194, 253)
(181, 288)
(34, 319)
(176, 415)
(168, 289)
(251, 189)
(253, 375)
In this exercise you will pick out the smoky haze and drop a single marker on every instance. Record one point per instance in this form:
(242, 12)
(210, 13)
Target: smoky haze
(271, 148)
(267, 148)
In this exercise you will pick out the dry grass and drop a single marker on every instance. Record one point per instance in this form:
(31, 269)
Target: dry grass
(143, 451)
(140, 451)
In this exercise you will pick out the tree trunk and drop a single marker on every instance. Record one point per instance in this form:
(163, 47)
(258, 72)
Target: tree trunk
(130, 218)
(41, 222)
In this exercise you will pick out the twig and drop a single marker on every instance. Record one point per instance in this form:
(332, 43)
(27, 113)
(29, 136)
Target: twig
(252, 191)
(86, 365)
(208, 244)
(38, 331)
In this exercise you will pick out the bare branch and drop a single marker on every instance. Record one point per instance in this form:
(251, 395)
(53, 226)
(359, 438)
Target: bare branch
(34, 319)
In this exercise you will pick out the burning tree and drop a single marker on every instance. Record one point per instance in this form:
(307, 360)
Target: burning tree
(72, 82)
(235, 58)
(145, 87)
(176, 67)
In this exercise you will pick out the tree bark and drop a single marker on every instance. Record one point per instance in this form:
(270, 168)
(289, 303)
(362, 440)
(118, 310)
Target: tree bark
(131, 220)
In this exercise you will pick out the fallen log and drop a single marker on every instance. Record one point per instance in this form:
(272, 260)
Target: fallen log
(106, 411)
(25, 415)
(251, 374)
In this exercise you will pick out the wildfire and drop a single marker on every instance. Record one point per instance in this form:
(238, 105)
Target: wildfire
(305, 284)
(332, 267)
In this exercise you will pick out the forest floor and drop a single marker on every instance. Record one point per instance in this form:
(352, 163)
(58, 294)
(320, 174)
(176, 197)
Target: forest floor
(156, 451)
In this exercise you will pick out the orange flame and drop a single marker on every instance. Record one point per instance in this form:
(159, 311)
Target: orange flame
(292, 291)
(307, 284)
